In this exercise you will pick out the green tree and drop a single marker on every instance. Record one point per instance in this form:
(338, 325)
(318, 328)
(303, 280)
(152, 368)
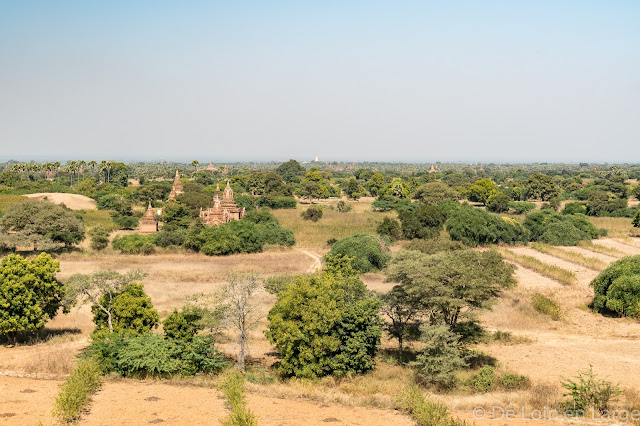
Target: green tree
(475, 227)
(617, 288)
(636, 220)
(365, 250)
(498, 202)
(403, 311)
(542, 187)
(441, 358)
(435, 193)
(41, 223)
(319, 331)
(397, 188)
(30, 294)
(481, 190)
(99, 238)
(424, 222)
(454, 284)
(313, 214)
(390, 228)
(183, 325)
(130, 310)
(290, 171)
(101, 288)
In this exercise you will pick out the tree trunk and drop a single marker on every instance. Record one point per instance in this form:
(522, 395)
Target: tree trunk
(241, 354)
(12, 337)
(400, 348)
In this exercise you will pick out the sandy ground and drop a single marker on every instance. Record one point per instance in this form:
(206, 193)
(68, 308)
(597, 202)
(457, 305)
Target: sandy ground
(26, 400)
(558, 349)
(73, 201)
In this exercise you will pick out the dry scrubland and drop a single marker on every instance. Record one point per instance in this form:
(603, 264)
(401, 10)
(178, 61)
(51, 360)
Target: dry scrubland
(544, 349)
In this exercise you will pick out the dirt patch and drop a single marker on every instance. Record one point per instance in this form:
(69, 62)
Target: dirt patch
(73, 201)
(275, 411)
(26, 401)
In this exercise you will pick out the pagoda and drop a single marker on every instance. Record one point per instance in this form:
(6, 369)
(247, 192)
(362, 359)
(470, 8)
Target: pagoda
(224, 208)
(148, 224)
(176, 189)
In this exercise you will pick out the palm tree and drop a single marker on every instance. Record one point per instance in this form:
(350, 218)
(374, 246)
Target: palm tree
(195, 164)
(93, 165)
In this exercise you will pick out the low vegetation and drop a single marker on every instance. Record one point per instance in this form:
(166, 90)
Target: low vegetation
(570, 256)
(546, 306)
(367, 252)
(617, 288)
(77, 389)
(424, 412)
(587, 391)
(550, 271)
(232, 385)
(599, 248)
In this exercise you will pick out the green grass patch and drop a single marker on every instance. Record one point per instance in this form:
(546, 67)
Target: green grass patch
(8, 199)
(570, 256)
(232, 385)
(424, 412)
(333, 224)
(75, 394)
(550, 271)
(93, 218)
(546, 306)
(599, 248)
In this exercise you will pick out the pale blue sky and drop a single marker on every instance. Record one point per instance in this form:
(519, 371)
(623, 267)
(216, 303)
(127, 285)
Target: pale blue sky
(356, 80)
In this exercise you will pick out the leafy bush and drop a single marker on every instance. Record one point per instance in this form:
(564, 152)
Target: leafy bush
(390, 228)
(131, 311)
(183, 325)
(313, 214)
(511, 381)
(521, 207)
(99, 238)
(126, 222)
(134, 244)
(636, 220)
(425, 413)
(153, 355)
(498, 203)
(483, 381)
(546, 306)
(277, 202)
(573, 208)
(75, 393)
(441, 357)
(617, 288)
(587, 391)
(325, 324)
(560, 229)
(343, 207)
(434, 246)
(366, 251)
(475, 227)
(423, 222)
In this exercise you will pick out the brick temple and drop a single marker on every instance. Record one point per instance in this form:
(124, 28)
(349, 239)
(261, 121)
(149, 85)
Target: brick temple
(176, 188)
(224, 208)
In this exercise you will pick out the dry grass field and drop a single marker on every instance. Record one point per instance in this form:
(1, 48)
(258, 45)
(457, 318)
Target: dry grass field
(543, 349)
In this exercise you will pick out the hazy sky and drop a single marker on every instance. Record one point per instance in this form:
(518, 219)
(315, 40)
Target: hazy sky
(357, 80)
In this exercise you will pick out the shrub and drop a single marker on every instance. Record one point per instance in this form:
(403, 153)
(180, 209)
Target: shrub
(131, 311)
(441, 357)
(521, 207)
(617, 288)
(99, 238)
(636, 220)
(511, 381)
(475, 227)
(325, 324)
(483, 381)
(435, 193)
(546, 306)
(183, 325)
(313, 214)
(572, 208)
(587, 391)
(425, 413)
(75, 393)
(126, 222)
(560, 229)
(343, 207)
(366, 251)
(434, 246)
(498, 203)
(277, 202)
(562, 234)
(130, 244)
(232, 385)
(220, 240)
(423, 222)
(389, 228)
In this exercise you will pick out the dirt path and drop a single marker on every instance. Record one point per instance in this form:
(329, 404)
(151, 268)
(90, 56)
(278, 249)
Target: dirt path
(317, 261)
(73, 201)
